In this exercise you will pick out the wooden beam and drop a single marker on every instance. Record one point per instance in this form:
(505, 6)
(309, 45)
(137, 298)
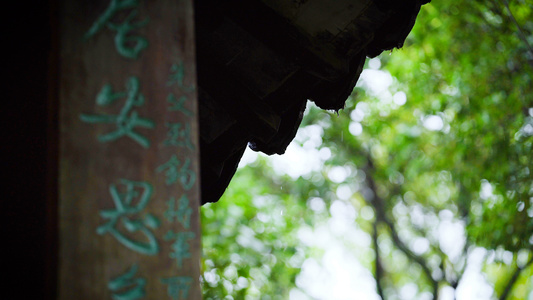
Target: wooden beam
(128, 163)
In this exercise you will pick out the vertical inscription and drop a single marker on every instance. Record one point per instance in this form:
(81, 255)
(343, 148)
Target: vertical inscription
(179, 211)
(127, 220)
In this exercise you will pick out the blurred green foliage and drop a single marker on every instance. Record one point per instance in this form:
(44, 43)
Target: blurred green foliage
(442, 151)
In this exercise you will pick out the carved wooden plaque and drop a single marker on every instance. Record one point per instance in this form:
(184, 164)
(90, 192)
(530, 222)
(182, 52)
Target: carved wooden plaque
(129, 163)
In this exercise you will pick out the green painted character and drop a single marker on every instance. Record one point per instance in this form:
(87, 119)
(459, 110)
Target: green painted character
(178, 287)
(127, 45)
(128, 119)
(114, 7)
(128, 205)
(177, 75)
(182, 213)
(126, 287)
(174, 173)
(178, 104)
(179, 135)
(180, 247)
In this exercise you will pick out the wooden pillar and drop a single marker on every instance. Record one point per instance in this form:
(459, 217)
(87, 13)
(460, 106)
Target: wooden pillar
(128, 155)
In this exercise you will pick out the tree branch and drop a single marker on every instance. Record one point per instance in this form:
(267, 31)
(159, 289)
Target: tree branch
(377, 262)
(464, 211)
(520, 31)
(513, 279)
(413, 257)
(379, 205)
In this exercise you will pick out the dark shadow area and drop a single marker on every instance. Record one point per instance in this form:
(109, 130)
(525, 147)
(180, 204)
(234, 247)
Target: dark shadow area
(30, 129)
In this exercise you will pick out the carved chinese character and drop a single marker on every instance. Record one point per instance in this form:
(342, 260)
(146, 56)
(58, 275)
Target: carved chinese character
(178, 104)
(114, 7)
(124, 220)
(127, 45)
(179, 135)
(182, 213)
(174, 173)
(126, 287)
(177, 75)
(128, 119)
(178, 287)
(180, 247)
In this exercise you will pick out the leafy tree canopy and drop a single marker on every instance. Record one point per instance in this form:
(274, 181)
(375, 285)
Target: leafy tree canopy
(421, 187)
